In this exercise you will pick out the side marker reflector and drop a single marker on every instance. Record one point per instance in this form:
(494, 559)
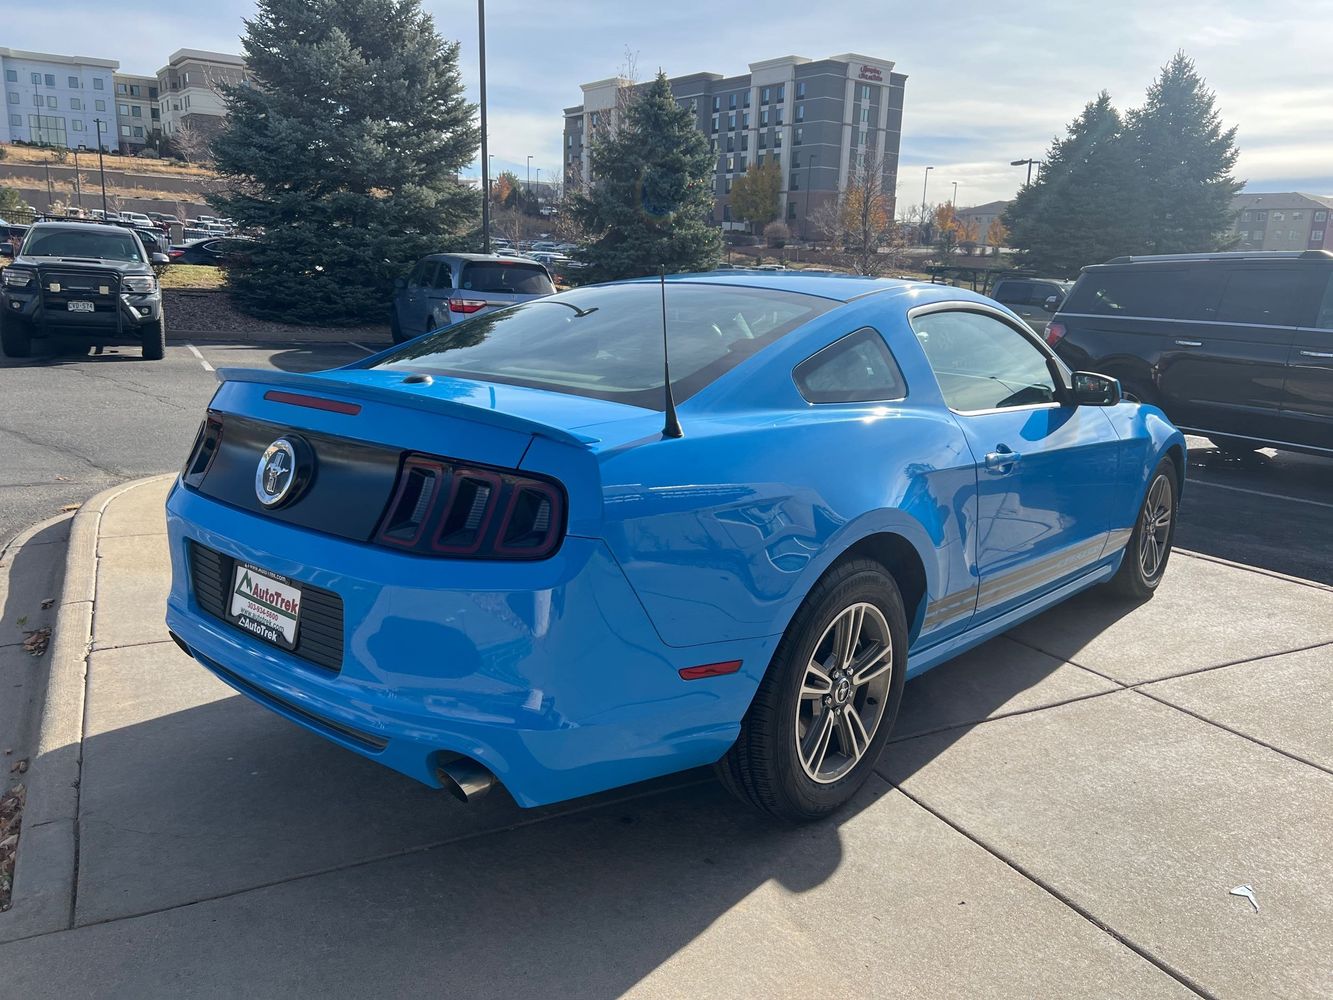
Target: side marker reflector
(709, 670)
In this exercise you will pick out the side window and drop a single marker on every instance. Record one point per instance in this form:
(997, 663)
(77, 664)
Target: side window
(856, 369)
(1324, 319)
(1014, 293)
(982, 363)
(421, 274)
(1268, 296)
(444, 278)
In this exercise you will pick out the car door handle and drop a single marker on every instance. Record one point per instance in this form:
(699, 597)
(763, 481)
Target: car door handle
(1002, 461)
(1189, 343)
(1317, 354)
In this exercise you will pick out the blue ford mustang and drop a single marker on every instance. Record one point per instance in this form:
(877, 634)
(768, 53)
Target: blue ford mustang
(499, 553)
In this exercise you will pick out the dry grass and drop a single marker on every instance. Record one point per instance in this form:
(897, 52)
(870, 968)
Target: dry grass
(191, 276)
(114, 161)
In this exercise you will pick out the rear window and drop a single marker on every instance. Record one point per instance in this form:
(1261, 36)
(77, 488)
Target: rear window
(606, 341)
(82, 243)
(504, 277)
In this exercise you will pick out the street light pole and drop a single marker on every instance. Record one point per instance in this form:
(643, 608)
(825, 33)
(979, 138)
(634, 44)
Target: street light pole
(101, 165)
(953, 202)
(539, 190)
(923, 198)
(529, 175)
(805, 218)
(1029, 163)
(78, 185)
(485, 159)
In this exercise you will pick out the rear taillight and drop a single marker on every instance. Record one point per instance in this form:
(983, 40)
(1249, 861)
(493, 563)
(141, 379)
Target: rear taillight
(1055, 332)
(204, 451)
(174, 254)
(466, 305)
(452, 509)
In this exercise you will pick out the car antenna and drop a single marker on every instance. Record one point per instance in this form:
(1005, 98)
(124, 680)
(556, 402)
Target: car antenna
(672, 426)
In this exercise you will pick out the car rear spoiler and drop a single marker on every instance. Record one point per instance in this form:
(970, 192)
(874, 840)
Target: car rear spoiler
(412, 400)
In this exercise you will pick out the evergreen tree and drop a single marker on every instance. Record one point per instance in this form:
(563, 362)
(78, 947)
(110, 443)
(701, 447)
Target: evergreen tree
(650, 193)
(1082, 207)
(345, 154)
(1185, 159)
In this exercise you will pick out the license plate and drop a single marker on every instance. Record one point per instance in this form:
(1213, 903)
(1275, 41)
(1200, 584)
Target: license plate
(265, 605)
(79, 306)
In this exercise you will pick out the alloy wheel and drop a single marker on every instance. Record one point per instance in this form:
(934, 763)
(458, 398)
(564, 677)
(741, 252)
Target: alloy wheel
(844, 692)
(1156, 529)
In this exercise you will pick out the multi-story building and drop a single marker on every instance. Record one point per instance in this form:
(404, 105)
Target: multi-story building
(822, 121)
(1282, 220)
(137, 114)
(982, 216)
(189, 88)
(57, 100)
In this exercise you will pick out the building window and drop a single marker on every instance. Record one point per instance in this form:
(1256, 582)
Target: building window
(745, 119)
(865, 92)
(51, 102)
(152, 93)
(777, 116)
(138, 131)
(726, 209)
(781, 94)
(123, 109)
(12, 76)
(865, 113)
(135, 91)
(1260, 216)
(763, 140)
(1278, 216)
(1245, 216)
(800, 90)
(777, 139)
(731, 120)
(763, 118)
(74, 83)
(717, 104)
(791, 209)
(800, 112)
(777, 159)
(37, 79)
(745, 140)
(731, 144)
(136, 112)
(76, 125)
(593, 118)
(861, 139)
(13, 97)
(1320, 216)
(176, 106)
(125, 131)
(740, 163)
(187, 102)
(50, 79)
(745, 98)
(121, 88)
(16, 121)
(731, 101)
(758, 159)
(795, 160)
(715, 119)
(797, 136)
(1317, 236)
(793, 182)
(37, 100)
(765, 95)
(731, 164)
(75, 104)
(98, 83)
(100, 105)
(1297, 215)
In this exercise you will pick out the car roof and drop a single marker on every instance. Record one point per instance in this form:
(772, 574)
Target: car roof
(838, 287)
(473, 257)
(79, 227)
(1232, 256)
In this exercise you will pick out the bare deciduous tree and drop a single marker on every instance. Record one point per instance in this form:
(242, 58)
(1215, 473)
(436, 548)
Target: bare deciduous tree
(859, 226)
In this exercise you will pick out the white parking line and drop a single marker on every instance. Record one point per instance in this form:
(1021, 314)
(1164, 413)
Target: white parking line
(195, 351)
(368, 350)
(1260, 493)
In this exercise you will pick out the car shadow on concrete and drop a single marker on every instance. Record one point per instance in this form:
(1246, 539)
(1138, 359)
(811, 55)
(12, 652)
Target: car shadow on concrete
(587, 899)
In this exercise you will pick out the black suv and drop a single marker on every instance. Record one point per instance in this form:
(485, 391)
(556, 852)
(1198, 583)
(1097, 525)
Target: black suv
(1237, 347)
(81, 280)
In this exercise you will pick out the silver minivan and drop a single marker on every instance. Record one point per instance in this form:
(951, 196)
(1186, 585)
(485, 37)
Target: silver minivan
(445, 288)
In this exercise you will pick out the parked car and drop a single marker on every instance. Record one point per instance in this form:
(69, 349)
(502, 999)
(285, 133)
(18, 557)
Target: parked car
(1237, 347)
(82, 280)
(154, 241)
(445, 288)
(1034, 299)
(192, 233)
(504, 552)
(218, 251)
(136, 219)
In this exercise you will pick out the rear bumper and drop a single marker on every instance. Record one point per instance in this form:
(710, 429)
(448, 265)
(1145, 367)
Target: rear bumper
(549, 673)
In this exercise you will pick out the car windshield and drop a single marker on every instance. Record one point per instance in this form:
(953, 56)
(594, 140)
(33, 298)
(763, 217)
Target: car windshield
(509, 277)
(606, 341)
(82, 243)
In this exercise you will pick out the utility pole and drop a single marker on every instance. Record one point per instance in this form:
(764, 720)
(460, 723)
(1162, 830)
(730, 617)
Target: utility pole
(1019, 163)
(101, 165)
(485, 159)
(78, 184)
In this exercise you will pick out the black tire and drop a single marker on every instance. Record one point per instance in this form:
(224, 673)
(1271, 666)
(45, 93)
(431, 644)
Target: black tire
(153, 336)
(1136, 580)
(15, 338)
(395, 327)
(764, 766)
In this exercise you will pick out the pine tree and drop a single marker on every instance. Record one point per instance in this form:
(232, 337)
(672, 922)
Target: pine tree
(1082, 207)
(651, 192)
(344, 154)
(1185, 159)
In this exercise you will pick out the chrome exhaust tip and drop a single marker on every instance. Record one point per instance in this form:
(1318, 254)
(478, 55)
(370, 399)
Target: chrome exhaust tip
(465, 779)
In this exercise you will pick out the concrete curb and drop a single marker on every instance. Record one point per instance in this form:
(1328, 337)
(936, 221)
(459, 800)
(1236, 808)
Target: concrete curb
(44, 876)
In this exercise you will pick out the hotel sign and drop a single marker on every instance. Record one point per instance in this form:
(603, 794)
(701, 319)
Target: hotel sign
(873, 73)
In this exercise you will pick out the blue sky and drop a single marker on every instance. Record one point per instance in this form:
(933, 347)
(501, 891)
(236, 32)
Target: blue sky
(987, 83)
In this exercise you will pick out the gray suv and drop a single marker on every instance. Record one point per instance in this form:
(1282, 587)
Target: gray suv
(1034, 299)
(76, 279)
(445, 288)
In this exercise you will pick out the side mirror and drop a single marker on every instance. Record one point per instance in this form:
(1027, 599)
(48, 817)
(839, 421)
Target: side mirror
(1052, 303)
(6, 250)
(400, 283)
(160, 258)
(1091, 389)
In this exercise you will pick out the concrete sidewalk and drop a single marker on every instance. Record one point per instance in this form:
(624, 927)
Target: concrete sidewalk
(1063, 812)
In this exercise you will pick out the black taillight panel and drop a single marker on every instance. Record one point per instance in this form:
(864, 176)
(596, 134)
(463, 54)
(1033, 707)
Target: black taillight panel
(204, 451)
(457, 510)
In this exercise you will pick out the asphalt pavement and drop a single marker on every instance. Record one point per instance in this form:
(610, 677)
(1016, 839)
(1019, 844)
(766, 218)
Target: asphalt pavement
(73, 424)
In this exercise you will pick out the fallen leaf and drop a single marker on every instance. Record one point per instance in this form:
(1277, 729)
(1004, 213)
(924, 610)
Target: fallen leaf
(48, 602)
(62, 479)
(22, 621)
(36, 641)
(66, 508)
(19, 767)
(9, 841)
